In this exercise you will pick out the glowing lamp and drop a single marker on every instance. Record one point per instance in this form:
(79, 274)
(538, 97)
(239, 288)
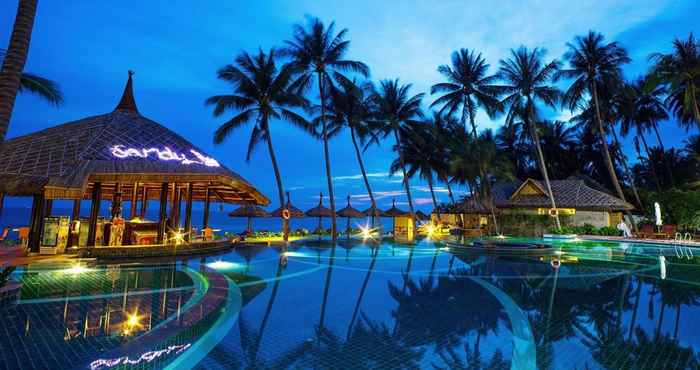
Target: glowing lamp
(222, 265)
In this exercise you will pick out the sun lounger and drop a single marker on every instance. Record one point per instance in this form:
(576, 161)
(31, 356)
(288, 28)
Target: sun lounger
(647, 231)
(667, 232)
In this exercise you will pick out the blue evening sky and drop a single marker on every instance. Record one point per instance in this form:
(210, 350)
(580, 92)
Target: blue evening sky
(175, 47)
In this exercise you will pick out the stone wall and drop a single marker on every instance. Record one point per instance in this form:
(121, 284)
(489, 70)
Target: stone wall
(595, 218)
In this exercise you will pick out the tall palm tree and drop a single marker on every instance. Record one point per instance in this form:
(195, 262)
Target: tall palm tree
(680, 71)
(527, 81)
(468, 86)
(316, 52)
(14, 61)
(395, 110)
(350, 106)
(40, 86)
(418, 155)
(260, 94)
(594, 63)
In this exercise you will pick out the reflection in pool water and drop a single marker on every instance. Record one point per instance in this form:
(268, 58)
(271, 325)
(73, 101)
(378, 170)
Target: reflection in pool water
(363, 305)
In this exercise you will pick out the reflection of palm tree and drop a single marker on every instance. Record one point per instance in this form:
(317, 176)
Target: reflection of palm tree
(472, 360)
(677, 294)
(362, 291)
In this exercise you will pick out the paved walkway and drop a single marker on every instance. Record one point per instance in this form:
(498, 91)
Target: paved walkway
(667, 242)
(15, 256)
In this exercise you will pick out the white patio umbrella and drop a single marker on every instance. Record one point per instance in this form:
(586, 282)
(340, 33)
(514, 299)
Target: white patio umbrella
(657, 211)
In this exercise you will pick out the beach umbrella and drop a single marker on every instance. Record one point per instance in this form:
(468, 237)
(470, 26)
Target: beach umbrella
(394, 212)
(350, 212)
(293, 211)
(422, 216)
(319, 211)
(249, 211)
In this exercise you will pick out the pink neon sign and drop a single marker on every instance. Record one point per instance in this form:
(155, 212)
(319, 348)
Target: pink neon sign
(165, 154)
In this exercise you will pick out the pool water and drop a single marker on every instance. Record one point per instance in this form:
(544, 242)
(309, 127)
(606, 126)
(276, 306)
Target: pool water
(356, 305)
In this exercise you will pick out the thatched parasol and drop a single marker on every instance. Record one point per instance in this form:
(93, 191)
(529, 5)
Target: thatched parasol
(422, 216)
(350, 212)
(394, 211)
(249, 211)
(293, 211)
(319, 211)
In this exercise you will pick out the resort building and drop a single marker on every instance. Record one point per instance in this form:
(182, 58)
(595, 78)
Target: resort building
(578, 201)
(119, 156)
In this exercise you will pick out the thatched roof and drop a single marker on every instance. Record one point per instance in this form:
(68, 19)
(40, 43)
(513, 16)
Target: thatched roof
(121, 146)
(394, 211)
(368, 212)
(570, 193)
(293, 211)
(350, 212)
(249, 210)
(422, 216)
(320, 210)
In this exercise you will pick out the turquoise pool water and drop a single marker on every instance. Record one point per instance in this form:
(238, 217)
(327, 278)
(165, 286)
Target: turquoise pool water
(355, 305)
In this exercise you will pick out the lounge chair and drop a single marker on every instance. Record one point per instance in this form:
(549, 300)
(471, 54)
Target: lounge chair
(646, 232)
(667, 232)
(4, 234)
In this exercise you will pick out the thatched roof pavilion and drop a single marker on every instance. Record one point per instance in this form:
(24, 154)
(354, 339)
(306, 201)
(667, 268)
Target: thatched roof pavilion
(121, 154)
(293, 211)
(394, 211)
(64, 161)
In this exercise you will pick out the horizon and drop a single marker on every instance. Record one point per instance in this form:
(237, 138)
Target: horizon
(175, 51)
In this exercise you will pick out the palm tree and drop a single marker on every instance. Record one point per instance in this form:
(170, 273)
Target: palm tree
(350, 106)
(396, 109)
(594, 63)
(14, 61)
(40, 86)
(680, 71)
(527, 81)
(470, 88)
(317, 52)
(261, 94)
(418, 155)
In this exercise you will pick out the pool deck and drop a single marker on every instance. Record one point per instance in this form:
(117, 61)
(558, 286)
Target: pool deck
(666, 242)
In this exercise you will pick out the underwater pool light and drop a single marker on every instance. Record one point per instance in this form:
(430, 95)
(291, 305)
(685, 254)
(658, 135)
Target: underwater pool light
(221, 265)
(75, 269)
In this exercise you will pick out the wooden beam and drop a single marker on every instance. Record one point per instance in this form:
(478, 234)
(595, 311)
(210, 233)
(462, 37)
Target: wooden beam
(163, 211)
(134, 199)
(36, 223)
(188, 213)
(144, 202)
(94, 212)
(207, 197)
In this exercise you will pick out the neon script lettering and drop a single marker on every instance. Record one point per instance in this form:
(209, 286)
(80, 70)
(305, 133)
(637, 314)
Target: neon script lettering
(165, 154)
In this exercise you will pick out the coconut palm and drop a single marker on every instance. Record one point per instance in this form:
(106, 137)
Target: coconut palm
(395, 110)
(418, 155)
(468, 87)
(260, 94)
(527, 82)
(680, 71)
(594, 63)
(317, 52)
(350, 106)
(14, 61)
(40, 86)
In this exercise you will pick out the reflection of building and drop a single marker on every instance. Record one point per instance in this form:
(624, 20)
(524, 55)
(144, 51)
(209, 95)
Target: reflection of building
(578, 201)
(117, 156)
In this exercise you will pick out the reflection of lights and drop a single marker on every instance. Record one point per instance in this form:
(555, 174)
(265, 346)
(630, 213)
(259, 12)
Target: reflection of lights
(76, 269)
(133, 322)
(366, 232)
(293, 254)
(222, 265)
(430, 230)
(559, 253)
(445, 249)
(501, 236)
(144, 358)
(576, 239)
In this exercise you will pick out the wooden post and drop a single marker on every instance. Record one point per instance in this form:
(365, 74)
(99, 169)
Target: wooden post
(117, 201)
(75, 215)
(144, 202)
(48, 207)
(134, 199)
(163, 211)
(94, 212)
(174, 205)
(36, 223)
(188, 213)
(2, 202)
(207, 196)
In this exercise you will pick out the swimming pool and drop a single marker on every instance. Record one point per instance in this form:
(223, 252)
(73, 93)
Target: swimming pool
(353, 305)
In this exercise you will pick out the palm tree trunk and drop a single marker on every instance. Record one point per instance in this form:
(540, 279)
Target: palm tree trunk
(623, 159)
(405, 176)
(652, 166)
(661, 319)
(362, 293)
(636, 306)
(327, 287)
(543, 168)
(604, 141)
(278, 179)
(432, 194)
(460, 218)
(326, 155)
(663, 154)
(15, 59)
(482, 172)
(364, 174)
(268, 310)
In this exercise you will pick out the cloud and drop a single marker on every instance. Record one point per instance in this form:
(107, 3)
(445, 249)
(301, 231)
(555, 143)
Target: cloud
(418, 201)
(375, 175)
